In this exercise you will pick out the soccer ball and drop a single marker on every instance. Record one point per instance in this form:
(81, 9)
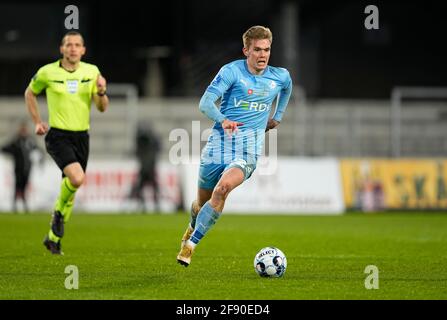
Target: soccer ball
(270, 262)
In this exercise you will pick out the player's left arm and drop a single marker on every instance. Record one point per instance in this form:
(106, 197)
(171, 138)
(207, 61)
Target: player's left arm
(100, 96)
(283, 101)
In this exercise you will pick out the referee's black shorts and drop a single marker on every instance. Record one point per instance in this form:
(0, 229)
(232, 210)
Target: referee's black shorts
(66, 147)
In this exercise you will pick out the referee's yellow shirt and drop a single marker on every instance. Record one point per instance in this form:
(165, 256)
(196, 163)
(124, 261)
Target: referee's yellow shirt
(69, 94)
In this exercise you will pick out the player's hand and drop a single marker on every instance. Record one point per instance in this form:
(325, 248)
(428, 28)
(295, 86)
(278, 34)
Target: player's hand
(101, 83)
(230, 127)
(41, 128)
(271, 124)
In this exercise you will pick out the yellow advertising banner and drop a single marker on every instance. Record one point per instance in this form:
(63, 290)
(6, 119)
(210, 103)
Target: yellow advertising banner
(375, 184)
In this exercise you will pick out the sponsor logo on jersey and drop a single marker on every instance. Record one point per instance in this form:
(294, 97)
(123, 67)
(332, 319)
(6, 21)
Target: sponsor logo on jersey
(252, 105)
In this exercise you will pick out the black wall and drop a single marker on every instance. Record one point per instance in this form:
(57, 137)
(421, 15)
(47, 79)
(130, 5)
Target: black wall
(338, 56)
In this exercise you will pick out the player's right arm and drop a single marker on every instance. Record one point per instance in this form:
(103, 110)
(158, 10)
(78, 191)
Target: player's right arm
(208, 106)
(220, 84)
(37, 84)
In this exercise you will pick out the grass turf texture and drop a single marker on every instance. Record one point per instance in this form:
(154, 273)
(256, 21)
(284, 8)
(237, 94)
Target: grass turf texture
(134, 257)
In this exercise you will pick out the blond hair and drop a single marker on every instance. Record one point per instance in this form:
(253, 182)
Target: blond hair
(256, 33)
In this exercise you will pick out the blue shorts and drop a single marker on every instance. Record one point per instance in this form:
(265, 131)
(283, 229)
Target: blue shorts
(210, 173)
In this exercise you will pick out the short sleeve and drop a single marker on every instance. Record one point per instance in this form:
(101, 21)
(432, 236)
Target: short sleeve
(39, 82)
(96, 73)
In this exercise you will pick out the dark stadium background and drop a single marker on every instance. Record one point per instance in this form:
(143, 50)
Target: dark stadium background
(335, 56)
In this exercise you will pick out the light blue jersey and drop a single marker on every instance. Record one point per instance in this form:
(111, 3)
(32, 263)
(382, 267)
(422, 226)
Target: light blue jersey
(245, 98)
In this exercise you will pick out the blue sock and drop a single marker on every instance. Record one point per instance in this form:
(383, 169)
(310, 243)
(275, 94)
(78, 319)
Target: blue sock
(206, 218)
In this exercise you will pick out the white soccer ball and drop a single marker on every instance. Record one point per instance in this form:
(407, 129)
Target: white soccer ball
(270, 262)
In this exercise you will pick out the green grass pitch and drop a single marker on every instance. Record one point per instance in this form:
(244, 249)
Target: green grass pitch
(134, 257)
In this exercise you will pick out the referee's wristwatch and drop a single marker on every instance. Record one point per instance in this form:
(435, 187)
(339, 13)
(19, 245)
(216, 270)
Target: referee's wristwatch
(101, 94)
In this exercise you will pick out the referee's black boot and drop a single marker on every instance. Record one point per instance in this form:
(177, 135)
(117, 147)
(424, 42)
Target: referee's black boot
(57, 224)
(53, 247)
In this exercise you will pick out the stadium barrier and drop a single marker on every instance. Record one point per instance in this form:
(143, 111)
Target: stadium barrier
(394, 184)
(107, 187)
(293, 186)
(288, 186)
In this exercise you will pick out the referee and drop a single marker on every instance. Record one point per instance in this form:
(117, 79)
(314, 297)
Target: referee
(70, 86)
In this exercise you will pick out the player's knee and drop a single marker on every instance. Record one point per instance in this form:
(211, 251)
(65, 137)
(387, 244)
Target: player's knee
(77, 180)
(221, 191)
